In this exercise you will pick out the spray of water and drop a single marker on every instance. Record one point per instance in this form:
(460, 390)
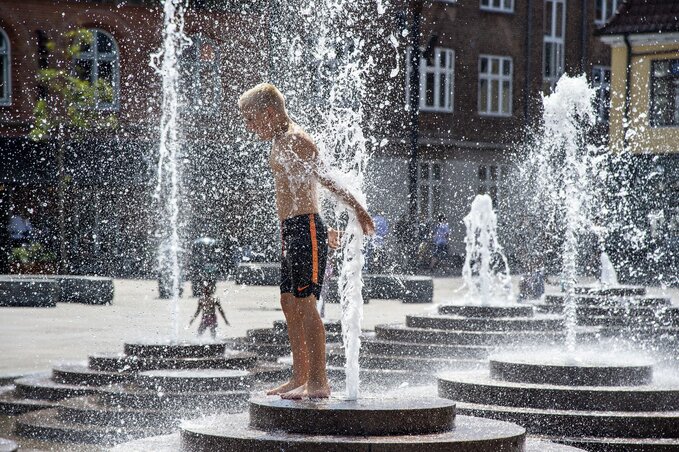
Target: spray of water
(563, 170)
(168, 188)
(485, 271)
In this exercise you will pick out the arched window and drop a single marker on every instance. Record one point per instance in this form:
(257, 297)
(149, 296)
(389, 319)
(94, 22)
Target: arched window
(98, 62)
(5, 70)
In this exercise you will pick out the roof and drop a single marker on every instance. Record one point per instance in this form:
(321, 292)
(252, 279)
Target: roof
(643, 16)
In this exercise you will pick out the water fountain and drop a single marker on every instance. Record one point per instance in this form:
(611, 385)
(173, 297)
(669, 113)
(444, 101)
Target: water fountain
(601, 397)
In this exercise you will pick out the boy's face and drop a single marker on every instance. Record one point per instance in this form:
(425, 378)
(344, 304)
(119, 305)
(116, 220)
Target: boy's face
(258, 122)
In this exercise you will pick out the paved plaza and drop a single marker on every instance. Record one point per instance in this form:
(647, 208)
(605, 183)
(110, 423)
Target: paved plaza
(33, 339)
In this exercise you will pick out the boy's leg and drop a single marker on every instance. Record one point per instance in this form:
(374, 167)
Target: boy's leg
(314, 334)
(300, 355)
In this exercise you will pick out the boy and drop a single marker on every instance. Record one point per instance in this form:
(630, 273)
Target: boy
(297, 170)
(208, 304)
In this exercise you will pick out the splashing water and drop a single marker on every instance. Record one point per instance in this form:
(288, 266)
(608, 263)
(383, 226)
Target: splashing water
(168, 186)
(485, 282)
(328, 100)
(608, 277)
(563, 168)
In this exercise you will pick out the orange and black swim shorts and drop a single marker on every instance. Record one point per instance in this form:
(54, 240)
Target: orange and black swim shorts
(305, 250)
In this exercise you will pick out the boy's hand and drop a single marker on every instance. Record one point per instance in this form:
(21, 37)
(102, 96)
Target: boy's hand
(334, 237)
(366, 222)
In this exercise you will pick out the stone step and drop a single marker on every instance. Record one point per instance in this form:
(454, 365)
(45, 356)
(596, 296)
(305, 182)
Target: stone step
(46, 425)
(491, 311)
(43, 388)
(118, 362)
(170, 350)
(571, 423)
(562, 371)
(268, 372)
(586, 301)
(233, 433)
(90, 411)
(81, 375)
(11, 404)
(479, 388)
(393, 348)
(194, 380)
(412, 363)
(611, 291)
(459, 323)
(595, 444)
(172, 443)
(273, 337)
(139, 398)
(400, 333)
(369, 416)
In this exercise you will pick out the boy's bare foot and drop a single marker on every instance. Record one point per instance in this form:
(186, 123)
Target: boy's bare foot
(308, 391)
(285, 387)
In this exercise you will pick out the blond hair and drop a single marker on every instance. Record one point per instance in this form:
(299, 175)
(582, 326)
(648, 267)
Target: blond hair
(262, 96)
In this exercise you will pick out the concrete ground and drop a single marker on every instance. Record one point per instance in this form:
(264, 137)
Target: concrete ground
(33, 339)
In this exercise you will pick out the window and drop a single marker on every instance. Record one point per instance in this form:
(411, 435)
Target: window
(601, 81)
(554, 39)
(437, 79)
(605, 9)
(203, 76)
(5, 73)
(98, 63)
(665, 93)
(495, 85)
(489, 177)
(429, 190)
(505, 6)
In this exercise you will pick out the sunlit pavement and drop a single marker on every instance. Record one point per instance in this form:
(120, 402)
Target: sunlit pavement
(33, 339)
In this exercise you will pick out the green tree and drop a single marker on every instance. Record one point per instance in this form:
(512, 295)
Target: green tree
(67, 110)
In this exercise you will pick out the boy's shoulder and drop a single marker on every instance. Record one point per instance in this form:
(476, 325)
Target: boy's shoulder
(298, 141)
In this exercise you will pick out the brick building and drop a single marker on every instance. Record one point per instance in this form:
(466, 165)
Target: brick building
(110, 223)
(485, 65)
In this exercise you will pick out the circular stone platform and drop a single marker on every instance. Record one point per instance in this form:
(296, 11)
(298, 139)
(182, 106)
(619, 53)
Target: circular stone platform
(611, 291)
(365, 417)
(486, 311)
(174, 350)
(561, 370)
(195, 380)
(233, 433)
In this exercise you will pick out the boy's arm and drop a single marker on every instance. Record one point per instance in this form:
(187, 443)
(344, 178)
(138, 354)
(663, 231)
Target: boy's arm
(221, 311)
(308, 154)
(196, 314)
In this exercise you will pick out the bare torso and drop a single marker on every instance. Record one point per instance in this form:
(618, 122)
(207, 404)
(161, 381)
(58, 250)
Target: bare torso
(296, 185)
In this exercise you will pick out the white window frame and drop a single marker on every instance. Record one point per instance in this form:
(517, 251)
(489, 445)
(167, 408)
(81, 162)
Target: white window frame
(602, 12)
(6, 56)
(497, 6)
(96, 57)
(426, 212)
(558, 44)
(491, 78)
(449, 72)
(601, 86)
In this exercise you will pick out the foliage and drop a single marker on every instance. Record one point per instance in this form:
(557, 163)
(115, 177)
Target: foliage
(70, 106)
(32, 253)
